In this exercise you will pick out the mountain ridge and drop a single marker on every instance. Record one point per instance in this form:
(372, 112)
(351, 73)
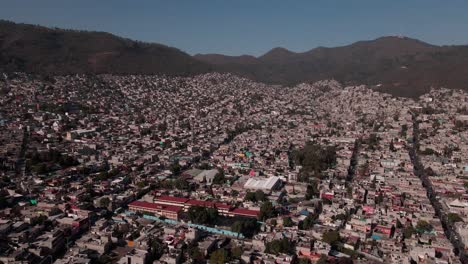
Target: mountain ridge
(400, 65)
(37, 49)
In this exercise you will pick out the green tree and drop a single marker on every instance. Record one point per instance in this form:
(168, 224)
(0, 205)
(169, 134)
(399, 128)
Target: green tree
(267, 211)
(308, 222)
(399, 224)
(104, 202)
(202, 215)
(219, 178)
(246, 227)
(323, 259)
(219, 256)
(141, 185)
(181, 184)
(157, 249)
(408, 231)
(237, 252)
(257, 196)
(424, 226)
(260, 196)
(55, 211)
(392, 146)
(175, 168)
(314, 158)
(103, 176)
(250, 196)
(453, 218)
(312, 191)
(279, 246)
(195, 253)
(404, 130)
(287, 222)
(331, 237)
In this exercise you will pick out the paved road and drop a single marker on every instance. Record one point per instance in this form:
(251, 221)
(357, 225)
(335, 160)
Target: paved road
(441, 212)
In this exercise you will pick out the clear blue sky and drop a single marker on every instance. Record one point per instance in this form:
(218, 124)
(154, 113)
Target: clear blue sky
(237, 27)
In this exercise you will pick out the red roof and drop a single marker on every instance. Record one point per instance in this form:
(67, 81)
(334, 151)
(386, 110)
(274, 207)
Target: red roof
(245, 212)
(157, 206)
(199, 203)
(179, 200)
(208, 204)
(166, 198)
(223, 206)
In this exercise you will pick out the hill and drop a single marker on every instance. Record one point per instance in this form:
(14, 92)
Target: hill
(37, 49)
(399, 65)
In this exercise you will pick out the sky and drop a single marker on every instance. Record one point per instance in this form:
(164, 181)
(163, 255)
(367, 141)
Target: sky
(236, 27)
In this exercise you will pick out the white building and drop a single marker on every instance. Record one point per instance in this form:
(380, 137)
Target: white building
(266, 184)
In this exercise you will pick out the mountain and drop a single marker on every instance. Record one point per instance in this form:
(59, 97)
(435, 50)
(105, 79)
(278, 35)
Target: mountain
(37, 49)
(219, 59)
(399, 65)
(277, 55)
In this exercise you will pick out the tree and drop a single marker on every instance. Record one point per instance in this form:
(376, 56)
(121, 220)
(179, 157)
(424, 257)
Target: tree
(104, 202)
(38, 220)
(250, 196)
(312, 191)
(219, 178)
(279, 246)
(267, 210)
(202, 215)
(408, 231)
(213, 214)
(175, 168)
(314, 158)
(308, 222)
(424, 226)
(103, 176)
(453, 218)
(331, 237)
(287, 222)
(379, 199)
(246, 227)
(399, 224)
(340, 216)
(55, 211)
(195, 253)
(260, 196)
(392, 146)
(323, 259)
(219, 256)
(373, 142)
(157, 249)
(181, 184)
(141, 184)
(404, 130)
(3, 201)
(236, 252)
(257, 196)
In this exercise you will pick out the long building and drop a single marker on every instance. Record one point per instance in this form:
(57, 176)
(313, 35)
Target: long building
(168, 211)
(185, 204)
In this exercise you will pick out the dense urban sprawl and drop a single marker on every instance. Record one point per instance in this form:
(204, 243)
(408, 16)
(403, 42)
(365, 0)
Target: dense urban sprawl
(220, 169)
